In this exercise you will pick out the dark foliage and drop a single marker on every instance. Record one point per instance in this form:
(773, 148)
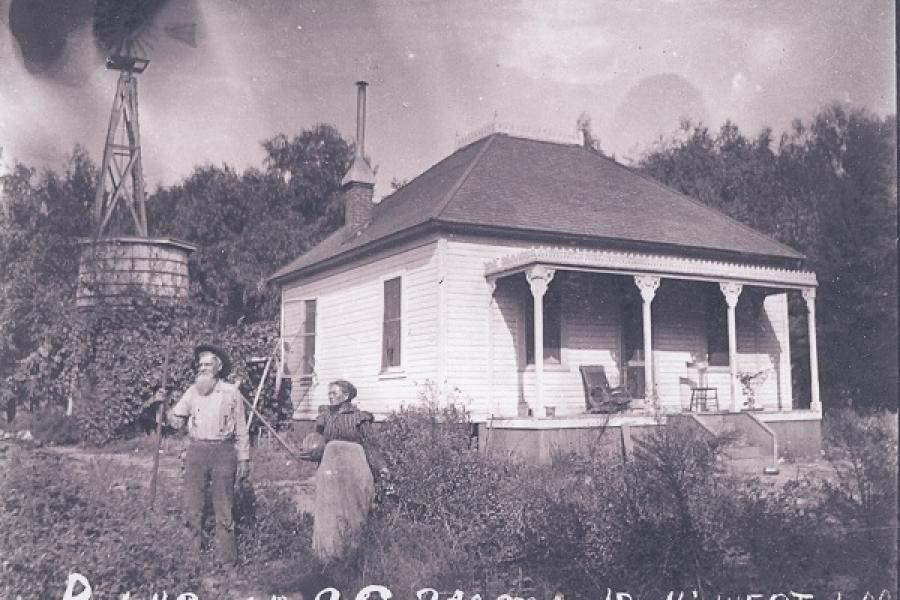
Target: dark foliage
(828, 189)
(109, 361)
(246, 225)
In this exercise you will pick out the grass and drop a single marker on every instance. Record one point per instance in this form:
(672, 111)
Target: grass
(576, 519)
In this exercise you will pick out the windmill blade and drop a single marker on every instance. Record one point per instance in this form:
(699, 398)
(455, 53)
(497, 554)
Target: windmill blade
(124, 26)
(186, 33)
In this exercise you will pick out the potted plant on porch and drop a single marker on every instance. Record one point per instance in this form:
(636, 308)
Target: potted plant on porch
(750, 382)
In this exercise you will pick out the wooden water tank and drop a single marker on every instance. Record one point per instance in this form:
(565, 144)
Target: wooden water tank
(114, 270)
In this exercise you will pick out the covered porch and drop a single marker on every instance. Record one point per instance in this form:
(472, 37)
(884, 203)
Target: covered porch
(678, 334)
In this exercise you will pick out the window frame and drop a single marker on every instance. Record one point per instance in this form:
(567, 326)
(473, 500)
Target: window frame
(299, 340)
(398, 370)
(528, 327)
(715, 319)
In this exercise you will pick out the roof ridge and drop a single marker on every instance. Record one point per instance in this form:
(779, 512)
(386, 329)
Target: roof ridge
(741, 224)
(462, 178)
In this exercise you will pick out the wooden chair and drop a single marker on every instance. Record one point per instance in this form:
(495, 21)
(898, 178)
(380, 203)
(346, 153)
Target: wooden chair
(702, 396)
(599, 396)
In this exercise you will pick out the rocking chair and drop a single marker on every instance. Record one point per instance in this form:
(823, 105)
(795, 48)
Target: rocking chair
(599, 396)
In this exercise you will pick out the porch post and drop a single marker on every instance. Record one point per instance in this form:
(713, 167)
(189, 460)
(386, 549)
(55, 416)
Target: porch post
(539, 278)
(648, 285)
(732, 292)
(815, 404)
(492, 302)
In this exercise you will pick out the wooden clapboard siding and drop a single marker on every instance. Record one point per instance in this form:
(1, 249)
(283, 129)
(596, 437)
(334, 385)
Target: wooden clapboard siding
(455, 335)
(679, 338)
(506, 327)
(763, 346)
(468, 309)
(776, 307)
(349, 327)
(590, 335)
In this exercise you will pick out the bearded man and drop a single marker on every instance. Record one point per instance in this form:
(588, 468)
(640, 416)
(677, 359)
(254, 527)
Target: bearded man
(219, 449)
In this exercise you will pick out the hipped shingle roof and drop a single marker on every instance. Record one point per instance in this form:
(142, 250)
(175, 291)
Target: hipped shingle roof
(550, 190)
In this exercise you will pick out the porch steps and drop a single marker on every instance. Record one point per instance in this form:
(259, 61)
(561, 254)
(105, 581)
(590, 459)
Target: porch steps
(751, 448)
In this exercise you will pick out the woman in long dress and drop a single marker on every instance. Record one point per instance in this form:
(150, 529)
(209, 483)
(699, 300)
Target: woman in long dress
(345, 485)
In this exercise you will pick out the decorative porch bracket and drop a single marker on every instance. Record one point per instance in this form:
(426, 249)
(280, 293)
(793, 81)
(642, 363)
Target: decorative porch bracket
(732, 291)
(815, 404)
(648, 284)
(539, 278)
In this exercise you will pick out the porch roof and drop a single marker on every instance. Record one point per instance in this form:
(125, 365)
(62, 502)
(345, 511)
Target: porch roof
(630, 263)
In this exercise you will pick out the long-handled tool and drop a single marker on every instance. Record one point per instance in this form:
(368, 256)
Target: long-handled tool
(262, 382)
(271, 429)
(159, 418)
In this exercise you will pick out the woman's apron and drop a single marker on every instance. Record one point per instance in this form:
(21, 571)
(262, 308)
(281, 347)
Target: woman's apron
(344, 493)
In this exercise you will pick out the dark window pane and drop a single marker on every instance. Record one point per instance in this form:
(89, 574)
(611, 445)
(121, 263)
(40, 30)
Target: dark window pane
(390, 344)
(717, 329)
(390, 356)
(392, 299)
(309, 354)
(310, 323)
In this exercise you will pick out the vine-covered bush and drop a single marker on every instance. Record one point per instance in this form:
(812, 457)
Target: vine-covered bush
(109, 360)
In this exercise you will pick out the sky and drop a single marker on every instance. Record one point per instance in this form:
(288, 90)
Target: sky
(439, 69)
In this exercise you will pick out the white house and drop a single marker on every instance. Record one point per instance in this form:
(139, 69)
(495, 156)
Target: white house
(512, 243)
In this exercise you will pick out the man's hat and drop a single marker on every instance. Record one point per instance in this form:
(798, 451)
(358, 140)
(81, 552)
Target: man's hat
(219, 352)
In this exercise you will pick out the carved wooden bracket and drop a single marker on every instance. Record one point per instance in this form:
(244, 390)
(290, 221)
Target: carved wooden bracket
(732, 292)
(647, 284)
(809, 295)
(539, 277)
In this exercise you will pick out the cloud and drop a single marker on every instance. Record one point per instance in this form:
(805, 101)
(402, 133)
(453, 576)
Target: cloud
(738, 83)
(768, 49)
(560, 41)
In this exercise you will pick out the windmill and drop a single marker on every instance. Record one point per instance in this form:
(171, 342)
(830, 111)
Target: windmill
(124, 30)
(112, 268)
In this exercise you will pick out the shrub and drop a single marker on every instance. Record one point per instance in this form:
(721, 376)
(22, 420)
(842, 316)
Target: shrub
(55, 520)
(274, 538)
(780, 537)
(862, 448)
(445, 515)
(55, 427)
(674, 538)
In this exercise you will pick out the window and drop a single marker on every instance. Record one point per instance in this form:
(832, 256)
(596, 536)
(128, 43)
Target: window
(300, 350)
(552, 327)
(716, 329)
(390, 338)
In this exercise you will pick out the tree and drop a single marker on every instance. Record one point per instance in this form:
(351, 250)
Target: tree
(41, 218)
(829, 190)
(247, 225)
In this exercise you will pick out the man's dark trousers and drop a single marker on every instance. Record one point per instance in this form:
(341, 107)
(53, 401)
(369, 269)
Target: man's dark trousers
(218, 462)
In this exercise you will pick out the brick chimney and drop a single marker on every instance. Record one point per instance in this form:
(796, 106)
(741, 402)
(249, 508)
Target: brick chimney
(358, 184)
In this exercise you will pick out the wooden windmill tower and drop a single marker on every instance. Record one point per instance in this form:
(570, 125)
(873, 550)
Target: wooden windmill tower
(121, 173)
(115, 268)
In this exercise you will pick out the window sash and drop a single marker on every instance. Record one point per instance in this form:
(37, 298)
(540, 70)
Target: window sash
(300, 351)
(391, 325)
